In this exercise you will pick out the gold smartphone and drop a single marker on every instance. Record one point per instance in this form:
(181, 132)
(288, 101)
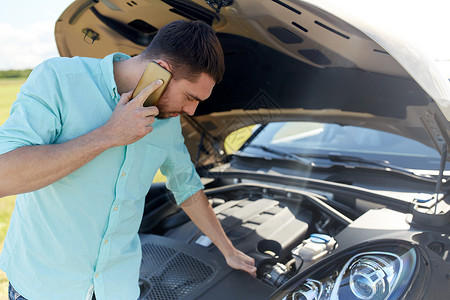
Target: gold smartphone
(152, 73)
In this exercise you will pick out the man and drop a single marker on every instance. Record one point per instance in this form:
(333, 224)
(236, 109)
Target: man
(82, 159)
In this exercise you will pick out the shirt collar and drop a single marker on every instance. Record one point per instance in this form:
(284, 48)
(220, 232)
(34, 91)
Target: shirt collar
(106, 65)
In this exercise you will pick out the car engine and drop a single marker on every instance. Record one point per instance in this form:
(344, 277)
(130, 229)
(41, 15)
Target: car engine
(282, 230)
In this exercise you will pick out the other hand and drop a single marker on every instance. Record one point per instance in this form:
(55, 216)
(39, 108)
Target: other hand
(240, 261)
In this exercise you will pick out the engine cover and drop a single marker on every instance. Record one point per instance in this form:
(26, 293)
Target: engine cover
(184, 264)
(253, 226)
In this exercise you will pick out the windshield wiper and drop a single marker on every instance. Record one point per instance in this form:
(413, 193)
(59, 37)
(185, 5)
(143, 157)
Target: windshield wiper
(308, 159)
(377, 165)
(283, 154)
(348, 161)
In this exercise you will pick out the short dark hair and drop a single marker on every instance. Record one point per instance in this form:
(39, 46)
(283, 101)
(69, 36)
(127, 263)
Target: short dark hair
(190, 48)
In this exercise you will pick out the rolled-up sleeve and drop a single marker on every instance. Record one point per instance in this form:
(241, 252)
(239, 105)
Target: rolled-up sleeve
(182, 178)
(34, 117)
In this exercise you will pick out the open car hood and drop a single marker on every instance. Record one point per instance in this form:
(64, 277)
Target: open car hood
(285, 60)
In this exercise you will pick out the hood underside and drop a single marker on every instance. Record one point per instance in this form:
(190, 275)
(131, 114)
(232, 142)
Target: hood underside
(285, 60)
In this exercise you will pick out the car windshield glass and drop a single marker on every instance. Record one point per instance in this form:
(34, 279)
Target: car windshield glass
(322, 140)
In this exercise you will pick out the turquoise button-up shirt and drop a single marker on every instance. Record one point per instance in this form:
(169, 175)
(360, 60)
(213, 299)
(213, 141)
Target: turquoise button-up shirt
(80, 233)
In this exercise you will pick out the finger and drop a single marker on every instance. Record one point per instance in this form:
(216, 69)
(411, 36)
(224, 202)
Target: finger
(150, 111)
(148, 128)
(150, 120)
(253, 272)
(143, 95)
(249, 265)
(250, 269)
(125, 98)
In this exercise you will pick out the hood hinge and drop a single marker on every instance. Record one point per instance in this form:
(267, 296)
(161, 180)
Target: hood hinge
(218, 4)
(434, 130)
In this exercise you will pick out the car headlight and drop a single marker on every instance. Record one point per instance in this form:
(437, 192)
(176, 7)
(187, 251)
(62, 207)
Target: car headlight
(373, 272)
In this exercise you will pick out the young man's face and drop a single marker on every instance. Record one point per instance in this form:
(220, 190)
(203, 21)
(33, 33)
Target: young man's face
(183, 96)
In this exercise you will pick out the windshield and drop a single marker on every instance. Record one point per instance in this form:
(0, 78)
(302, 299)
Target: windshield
(320, 140)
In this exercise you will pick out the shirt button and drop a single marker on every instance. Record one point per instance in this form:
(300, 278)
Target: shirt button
(123, 174)
(116, 208)
(96, 275)
(106, 241)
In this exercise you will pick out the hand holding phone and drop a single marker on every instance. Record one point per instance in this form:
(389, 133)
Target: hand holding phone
(152, 72)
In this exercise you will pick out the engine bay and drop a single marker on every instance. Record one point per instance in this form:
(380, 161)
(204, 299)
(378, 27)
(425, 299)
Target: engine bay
(286, 229)
(283, 230)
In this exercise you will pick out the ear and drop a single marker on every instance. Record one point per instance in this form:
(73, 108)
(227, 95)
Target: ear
(164, 64)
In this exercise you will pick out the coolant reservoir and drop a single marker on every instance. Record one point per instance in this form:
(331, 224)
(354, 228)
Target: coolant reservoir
(312, 249)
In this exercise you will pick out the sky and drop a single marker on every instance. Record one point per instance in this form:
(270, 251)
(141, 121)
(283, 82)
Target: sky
(27, 28)
(27, 32)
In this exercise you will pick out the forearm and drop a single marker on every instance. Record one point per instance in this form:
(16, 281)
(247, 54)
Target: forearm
(33, 167)
(199, 210)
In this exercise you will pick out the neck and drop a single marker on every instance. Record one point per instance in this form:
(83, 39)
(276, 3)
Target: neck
(127, 73)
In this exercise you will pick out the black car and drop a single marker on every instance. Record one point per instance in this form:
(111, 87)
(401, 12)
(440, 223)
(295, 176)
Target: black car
(340, 188)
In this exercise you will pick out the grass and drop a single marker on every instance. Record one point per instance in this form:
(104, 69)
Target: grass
(8, 91)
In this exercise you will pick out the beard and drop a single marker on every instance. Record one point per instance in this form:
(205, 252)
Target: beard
(166, 112)
(166, 115)
(163, 116)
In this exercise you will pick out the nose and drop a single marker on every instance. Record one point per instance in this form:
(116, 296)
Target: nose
(190, 108)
